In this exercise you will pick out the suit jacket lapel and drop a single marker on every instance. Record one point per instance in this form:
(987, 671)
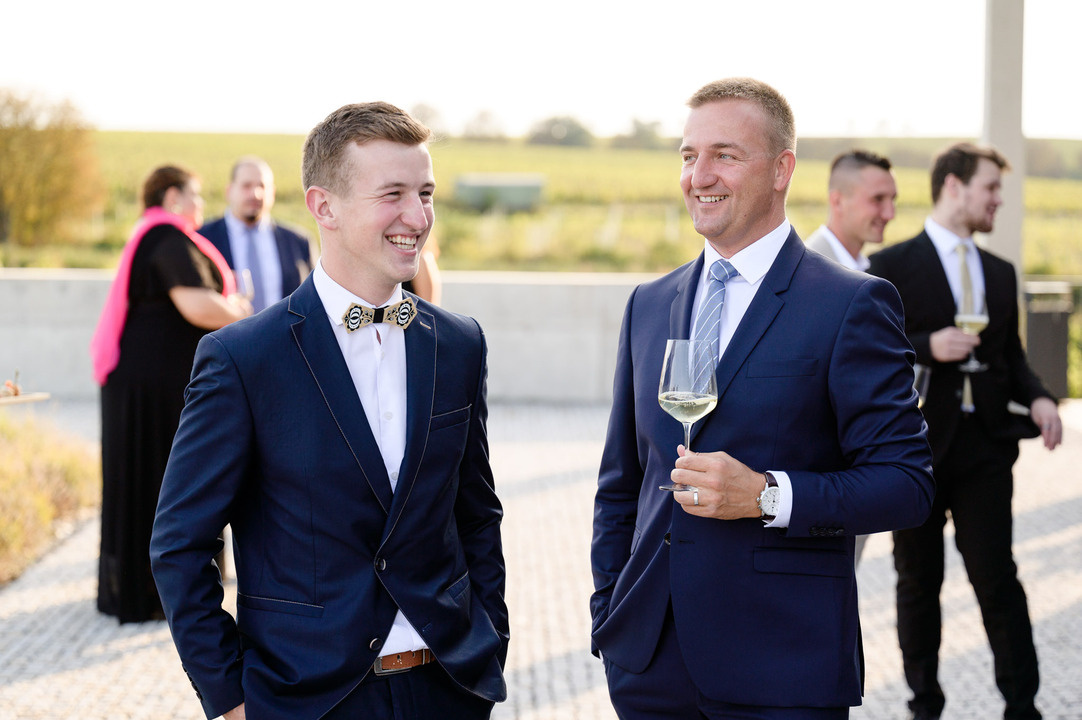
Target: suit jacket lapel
(420, 395)
(681, 308)
(939, 295)
(759, 316)
(313, 333)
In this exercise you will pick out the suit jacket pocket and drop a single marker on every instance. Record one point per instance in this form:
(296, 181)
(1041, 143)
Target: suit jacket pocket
(282, 606)
(448, 419)
(782, 368)
(830, 563)
(459, 587)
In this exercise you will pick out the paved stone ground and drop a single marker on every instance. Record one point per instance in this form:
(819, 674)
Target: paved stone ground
(60, 659)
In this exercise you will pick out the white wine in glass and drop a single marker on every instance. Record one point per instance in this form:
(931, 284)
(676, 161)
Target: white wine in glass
(972, 324)
(688, 390)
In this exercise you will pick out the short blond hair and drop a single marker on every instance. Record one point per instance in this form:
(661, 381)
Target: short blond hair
(324, 162)
(782, 134)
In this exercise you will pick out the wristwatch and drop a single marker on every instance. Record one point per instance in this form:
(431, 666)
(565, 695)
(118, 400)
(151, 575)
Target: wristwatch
(769, 499)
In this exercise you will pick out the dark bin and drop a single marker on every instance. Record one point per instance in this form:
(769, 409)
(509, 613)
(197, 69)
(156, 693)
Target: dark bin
(1048, 310)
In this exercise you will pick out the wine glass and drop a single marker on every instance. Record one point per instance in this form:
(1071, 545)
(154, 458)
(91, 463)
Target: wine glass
(922, 376)
(688, 390)
(245, 286)
(972, 324)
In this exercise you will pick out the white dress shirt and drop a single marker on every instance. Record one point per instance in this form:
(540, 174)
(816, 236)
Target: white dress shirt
(752, 264)
(376, 357)
(270, 267)
(860, 263)
(946, 244)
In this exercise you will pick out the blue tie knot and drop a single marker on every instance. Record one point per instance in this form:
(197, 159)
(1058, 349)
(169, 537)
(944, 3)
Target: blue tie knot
(722, 270)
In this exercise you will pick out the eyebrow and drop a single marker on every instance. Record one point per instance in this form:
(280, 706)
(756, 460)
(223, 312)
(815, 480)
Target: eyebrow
(715, 146)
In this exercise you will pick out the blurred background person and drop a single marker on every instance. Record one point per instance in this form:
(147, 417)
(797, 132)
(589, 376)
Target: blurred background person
(171, 288)
(861, 200)
(275, 258)
(427, 283)
(944, 278)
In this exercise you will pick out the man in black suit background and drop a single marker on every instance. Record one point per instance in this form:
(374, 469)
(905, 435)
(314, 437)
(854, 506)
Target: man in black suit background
(272, 258)
(974, 437)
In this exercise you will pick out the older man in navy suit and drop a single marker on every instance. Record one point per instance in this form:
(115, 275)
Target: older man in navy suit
(342, 435)
(270, 260)
(737, 598)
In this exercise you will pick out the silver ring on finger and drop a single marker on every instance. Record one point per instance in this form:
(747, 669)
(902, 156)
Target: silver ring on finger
(694, 496)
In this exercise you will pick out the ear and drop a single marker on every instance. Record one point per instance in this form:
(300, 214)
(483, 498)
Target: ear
(784, 166)
(320, 204)
(171, 200)
(834, 200)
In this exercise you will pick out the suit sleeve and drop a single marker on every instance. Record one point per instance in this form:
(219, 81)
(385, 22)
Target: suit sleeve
(479, 513)
(619, 482)
(1025, 385)
(882, 435)
(204, 474)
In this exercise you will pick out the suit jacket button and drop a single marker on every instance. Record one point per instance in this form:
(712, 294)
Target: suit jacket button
(668, 538)
(376, 644)
(381, 564)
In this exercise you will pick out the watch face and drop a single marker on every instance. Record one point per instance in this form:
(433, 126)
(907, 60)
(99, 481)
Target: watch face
(769, 501)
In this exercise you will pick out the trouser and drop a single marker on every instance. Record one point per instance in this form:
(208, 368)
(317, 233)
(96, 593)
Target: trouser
(974, 484)
(422, 693)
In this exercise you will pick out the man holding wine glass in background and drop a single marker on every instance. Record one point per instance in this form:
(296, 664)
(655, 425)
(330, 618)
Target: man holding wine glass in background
(736, 597)
(961, 314)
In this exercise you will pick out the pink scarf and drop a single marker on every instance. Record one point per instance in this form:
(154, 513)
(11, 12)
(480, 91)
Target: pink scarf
(105, 345)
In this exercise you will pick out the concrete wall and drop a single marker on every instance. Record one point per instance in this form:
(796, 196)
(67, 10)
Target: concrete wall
(552, 336)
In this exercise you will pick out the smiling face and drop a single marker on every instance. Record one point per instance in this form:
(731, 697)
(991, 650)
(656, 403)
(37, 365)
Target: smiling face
(375, 229)
(862, 206)
(733, 183)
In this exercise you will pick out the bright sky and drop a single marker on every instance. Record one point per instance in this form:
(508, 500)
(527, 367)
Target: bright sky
(848, 67)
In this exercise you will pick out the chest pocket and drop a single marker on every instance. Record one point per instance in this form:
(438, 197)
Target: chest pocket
(794, 367)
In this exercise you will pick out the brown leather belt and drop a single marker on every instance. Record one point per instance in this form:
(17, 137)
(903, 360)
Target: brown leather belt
(401, 662)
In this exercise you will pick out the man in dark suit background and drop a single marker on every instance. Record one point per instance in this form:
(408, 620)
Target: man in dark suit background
(737, 598)
(342, 434)
(974, 437)
(273, 257)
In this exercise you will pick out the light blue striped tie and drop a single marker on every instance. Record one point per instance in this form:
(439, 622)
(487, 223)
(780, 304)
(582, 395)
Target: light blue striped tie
(709, 317)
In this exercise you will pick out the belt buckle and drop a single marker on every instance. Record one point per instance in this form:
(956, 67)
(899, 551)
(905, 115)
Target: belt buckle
(379, 670)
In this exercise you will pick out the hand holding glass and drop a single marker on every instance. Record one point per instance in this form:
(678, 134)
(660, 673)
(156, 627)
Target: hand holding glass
(688, 390)
(972, 324)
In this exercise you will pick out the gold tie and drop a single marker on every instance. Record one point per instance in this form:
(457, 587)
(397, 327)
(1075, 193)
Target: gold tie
(967, 309)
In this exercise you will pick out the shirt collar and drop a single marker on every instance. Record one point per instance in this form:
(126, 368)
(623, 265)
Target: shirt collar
(336, 299)
(841, 253)
(755, 260)
(944, 240)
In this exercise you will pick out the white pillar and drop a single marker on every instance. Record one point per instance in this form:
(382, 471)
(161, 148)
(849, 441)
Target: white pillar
(1003, 119)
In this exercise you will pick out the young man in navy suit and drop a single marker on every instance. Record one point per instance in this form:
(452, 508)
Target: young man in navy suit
(269, 256)
(737, 598)
(974, 437)
(342, 435)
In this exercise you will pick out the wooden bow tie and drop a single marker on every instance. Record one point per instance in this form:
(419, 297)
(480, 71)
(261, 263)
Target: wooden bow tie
(400, 314)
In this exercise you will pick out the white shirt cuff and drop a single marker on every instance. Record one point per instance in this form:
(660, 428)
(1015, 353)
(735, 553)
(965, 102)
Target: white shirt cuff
(785, 503)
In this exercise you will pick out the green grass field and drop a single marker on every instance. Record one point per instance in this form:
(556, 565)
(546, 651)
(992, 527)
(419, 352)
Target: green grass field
(603, 209)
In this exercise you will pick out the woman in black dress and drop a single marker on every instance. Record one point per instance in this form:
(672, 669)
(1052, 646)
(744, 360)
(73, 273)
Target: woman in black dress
(171, 289)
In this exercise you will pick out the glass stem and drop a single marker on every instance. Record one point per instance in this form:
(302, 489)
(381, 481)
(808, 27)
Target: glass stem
(687, 436)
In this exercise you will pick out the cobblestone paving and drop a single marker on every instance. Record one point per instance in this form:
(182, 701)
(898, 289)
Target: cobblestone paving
(60, 659)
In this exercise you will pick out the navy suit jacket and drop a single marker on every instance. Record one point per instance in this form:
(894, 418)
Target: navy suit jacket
(915, 269)
(274, 441)
(294, 251)
(816, 382)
